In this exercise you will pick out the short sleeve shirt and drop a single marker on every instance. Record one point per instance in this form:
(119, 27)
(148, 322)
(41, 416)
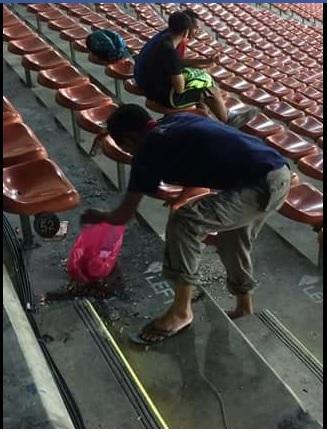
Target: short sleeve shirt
(157, 62)
(194, 151)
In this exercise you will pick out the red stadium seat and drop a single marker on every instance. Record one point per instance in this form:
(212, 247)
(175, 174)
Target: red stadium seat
(29, 45)
(94, 120)
(121, 69)
(290, 144)
(10, 117)
(298, 100)
(304, 204)
(81, 97)
(262, 126)
(312, 165)
(36, 187)
(20, 145)
(62, 24)
(131, 87)
(277, 89)
(61, 77)
(73, 34)
(307, 126)
(258, 97)
(50, 15)
(282, 111)
(316, 111)
(44, 60)
(19, 31)
(236, 84)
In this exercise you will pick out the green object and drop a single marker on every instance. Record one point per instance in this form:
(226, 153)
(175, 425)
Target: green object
(197, 79)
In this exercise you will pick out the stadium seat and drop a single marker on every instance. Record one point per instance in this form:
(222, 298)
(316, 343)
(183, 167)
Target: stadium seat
(320, 142)
(36, 187)
(20, 145)
(10, 117)
(282, 111)
(94, 120)
(19, 31)
(307, 126)
(304, 204)
(81, 97)
(62, 24)
(312, 165)
(257, 78)
(91, 18)
(312, 93)
(73, 34)
(112, 150)
(277, 89)
(292, 83)
(50, 15)
(121, 69)
(290, 145)
(61, 77)
(7, 106)
(262, 126)
(48, 59)
(39, 7)
(80, 46)
(298, 100)
(10, 20)
(132, 88)
(236, 84)
(258, 97)
(29, 45)
(316, 111)
(219, 73)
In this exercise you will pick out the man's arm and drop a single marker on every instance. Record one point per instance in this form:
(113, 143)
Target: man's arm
(120, 216)
(178, 83)
(199, 62)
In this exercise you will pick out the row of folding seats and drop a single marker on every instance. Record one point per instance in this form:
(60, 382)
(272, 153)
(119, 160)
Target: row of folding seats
(292, 205)
(304, 10)
(76, 93)
(279, 110)
(32, 183)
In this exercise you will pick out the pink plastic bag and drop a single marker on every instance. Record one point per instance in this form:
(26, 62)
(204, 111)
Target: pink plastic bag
(95, 252)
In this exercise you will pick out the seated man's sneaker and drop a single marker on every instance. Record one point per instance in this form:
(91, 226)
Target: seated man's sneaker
(238, 120)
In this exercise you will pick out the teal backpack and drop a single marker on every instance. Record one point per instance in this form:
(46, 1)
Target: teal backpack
(107, 45)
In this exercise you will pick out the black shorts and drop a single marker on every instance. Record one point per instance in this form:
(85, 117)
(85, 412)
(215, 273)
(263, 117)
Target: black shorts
(189, 97)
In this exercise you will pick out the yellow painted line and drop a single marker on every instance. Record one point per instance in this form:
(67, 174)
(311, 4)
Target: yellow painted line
(127, 365)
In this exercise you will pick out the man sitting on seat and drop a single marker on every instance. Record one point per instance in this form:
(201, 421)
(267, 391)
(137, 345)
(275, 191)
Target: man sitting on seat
(159, 72)
(253, 181)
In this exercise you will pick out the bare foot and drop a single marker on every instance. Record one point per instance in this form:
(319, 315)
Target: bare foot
(162, 327)
(235, 314)
(244, 306)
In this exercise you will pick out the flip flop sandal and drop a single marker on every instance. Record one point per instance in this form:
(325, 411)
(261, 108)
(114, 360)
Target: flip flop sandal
(161, 335)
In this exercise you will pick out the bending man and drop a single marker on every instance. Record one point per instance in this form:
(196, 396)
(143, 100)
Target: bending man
(253, 181)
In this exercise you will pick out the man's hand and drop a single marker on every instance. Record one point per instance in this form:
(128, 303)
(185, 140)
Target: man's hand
(93, 216)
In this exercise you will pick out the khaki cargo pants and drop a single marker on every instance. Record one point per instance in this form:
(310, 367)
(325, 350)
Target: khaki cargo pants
(237, 216)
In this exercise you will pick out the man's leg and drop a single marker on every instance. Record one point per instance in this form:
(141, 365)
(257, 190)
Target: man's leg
(186, 230)
(235, 250)
(177, 317)
(216, 104)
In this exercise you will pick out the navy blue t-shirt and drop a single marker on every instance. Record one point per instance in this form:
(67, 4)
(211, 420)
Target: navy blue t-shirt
(190, 150)
(155, 65)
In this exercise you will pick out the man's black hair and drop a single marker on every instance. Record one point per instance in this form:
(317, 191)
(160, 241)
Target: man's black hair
(193, 15)
(179, 22)
(127, 118)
